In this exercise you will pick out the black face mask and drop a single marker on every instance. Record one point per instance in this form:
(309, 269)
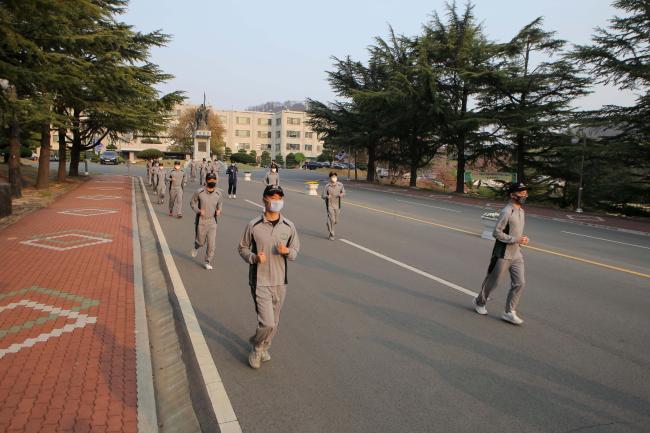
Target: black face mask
(212, 184)
(520, 200)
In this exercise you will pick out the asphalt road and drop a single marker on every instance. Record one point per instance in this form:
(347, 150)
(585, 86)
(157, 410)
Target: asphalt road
(367, 344)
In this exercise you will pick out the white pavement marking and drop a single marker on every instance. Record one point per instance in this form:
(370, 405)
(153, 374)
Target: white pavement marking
(98, 197)
(147, 417)
(86, 212)
(96, 241)
(585, 218)
(412, 269)
(254, 204)
(428, 205)
(607, 240)
(81, 320)
(219, 400)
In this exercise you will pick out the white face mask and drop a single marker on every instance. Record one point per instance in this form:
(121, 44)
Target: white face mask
(276, 205)
(334, 179)
(273, 170)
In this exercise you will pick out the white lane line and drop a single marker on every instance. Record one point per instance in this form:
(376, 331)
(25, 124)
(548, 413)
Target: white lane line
(219, 400)
(606, 240)
(254, 204)
(412, 269)
(428, 205)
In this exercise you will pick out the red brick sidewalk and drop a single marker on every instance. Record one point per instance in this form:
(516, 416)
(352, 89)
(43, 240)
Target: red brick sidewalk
(593, 219)
(67, 319)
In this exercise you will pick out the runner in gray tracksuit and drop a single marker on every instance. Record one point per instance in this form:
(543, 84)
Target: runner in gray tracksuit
(506, 255)
(203, 170)
(268, 242)
(192, 165)
(207, 203)
(149, 171)
(272, 177)
(177, 180)
(159, 182)
(332, 194)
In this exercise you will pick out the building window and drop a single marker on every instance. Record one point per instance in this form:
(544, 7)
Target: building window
(308, 147)
(244, 146)
(309, 135)
(242, 133)
(293, 146)
(293, 120)
(277, 147)
(263, 134)
(223, 119)
(258, 146)
(278, 121)
(243, 120)
(264, 122)
(277, 134)
(293, 134)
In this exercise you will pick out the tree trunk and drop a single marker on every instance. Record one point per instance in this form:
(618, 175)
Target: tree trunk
(14, 159)
(460, 165)
(75, 152)
(460, 169)
(63, 154)
(414, 174)
(43, 178)
(519, 157)
(370, 176)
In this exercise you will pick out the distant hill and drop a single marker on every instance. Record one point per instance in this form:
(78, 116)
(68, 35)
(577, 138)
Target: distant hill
(276, 106)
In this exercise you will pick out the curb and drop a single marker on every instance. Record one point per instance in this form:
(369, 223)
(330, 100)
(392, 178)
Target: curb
(147, 417)
(210, 380)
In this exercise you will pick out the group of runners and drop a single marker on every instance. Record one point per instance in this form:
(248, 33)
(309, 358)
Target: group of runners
(271, 239)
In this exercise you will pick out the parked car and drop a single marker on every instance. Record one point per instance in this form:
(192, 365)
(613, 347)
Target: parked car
(109, 157)
(338, 166)
(312, 165)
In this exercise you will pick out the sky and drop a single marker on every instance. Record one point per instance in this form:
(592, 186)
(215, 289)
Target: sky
(243, 53)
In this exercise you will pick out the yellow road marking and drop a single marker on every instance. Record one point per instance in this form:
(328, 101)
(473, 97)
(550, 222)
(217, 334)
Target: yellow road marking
(591, 262)
(457, 229)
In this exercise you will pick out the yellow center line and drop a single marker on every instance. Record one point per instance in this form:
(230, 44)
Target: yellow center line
(460, 230)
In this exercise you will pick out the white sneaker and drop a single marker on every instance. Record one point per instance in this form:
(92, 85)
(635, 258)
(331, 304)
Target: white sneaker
(265, 356)
(255, 359)
(208, 266)
(229, 195)
(512, 317)
(234, 196)
(195, 252)
(480, 309)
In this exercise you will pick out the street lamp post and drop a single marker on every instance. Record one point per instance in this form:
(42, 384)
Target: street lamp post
(582, 169)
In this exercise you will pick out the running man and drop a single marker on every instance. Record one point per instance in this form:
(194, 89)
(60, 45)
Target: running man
(177, 181)
(332, 194)
(206, 203)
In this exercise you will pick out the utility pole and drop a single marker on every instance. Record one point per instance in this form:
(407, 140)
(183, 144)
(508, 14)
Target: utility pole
(582, 169)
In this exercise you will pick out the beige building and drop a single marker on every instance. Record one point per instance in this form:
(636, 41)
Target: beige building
(278, 133)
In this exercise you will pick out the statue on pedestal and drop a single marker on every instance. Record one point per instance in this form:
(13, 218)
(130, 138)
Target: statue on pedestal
(201, 118)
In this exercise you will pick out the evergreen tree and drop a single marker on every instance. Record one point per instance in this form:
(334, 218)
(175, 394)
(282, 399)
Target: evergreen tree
(620, 55)
(529, 100)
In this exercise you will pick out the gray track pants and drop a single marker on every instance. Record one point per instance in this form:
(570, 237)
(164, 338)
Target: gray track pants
(268, 304)
(161, 194)
(206, 234)
(332, 218)
(176, 201)
(517, 281)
